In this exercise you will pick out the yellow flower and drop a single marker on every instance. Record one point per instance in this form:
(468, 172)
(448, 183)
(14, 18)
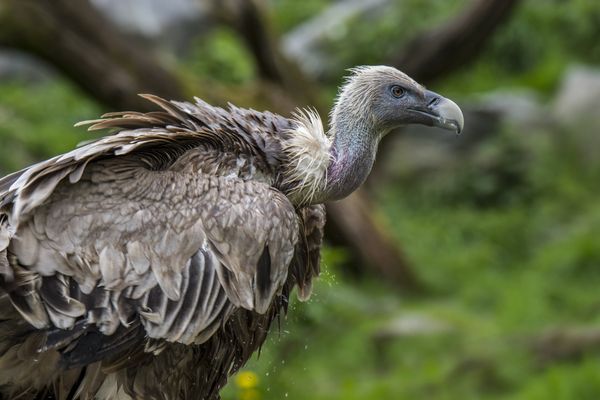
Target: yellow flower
(246, 380)
(250, 394)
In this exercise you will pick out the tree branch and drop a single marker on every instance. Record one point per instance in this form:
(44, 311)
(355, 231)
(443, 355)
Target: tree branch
(351, 222)
(249, 20)
(434, 54)
(79, 41)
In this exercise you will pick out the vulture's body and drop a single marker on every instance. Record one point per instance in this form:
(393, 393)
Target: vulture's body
(150, 264)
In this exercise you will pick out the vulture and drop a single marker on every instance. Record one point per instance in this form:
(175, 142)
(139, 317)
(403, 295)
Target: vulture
(151, 263)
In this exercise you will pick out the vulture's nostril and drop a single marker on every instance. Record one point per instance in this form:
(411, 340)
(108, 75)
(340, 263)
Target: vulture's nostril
(433, 102)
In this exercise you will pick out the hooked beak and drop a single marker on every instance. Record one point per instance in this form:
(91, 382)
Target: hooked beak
(441, 112)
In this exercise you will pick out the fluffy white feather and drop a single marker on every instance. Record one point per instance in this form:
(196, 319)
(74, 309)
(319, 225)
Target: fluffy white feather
(308, 152)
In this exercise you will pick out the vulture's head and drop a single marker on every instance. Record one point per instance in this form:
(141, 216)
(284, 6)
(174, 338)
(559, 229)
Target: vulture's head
(383, 98)
(373, 101)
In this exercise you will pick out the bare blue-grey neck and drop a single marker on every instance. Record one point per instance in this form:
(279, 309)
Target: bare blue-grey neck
(354, 148)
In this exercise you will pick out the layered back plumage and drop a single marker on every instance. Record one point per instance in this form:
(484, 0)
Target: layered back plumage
(151, 263)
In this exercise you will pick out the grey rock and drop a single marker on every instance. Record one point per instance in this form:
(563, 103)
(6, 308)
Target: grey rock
(16, 65)
(169, 25)
(150, 17)
(578, 96)
(414, 325)
(305, 42)
(517, 106)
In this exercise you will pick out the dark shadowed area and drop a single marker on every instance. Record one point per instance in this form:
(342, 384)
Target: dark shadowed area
(467, 267)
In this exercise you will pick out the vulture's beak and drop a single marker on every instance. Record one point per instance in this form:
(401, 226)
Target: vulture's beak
(441, 112)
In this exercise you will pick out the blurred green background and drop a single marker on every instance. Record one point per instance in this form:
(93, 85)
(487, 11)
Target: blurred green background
(501, 225)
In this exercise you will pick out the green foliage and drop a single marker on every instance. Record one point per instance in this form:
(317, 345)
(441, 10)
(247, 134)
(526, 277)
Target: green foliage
(287, 14)
(535, 46)
(221, 56)
(36, 121)
(394, 26)
(581, 382)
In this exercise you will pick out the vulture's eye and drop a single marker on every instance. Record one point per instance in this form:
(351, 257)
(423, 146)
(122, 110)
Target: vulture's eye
(397, 91)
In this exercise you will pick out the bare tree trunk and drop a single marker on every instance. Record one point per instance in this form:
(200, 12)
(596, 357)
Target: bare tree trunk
(377, 249)
(248, 19)
(77, 39)
(565, 344)
(436, 53)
